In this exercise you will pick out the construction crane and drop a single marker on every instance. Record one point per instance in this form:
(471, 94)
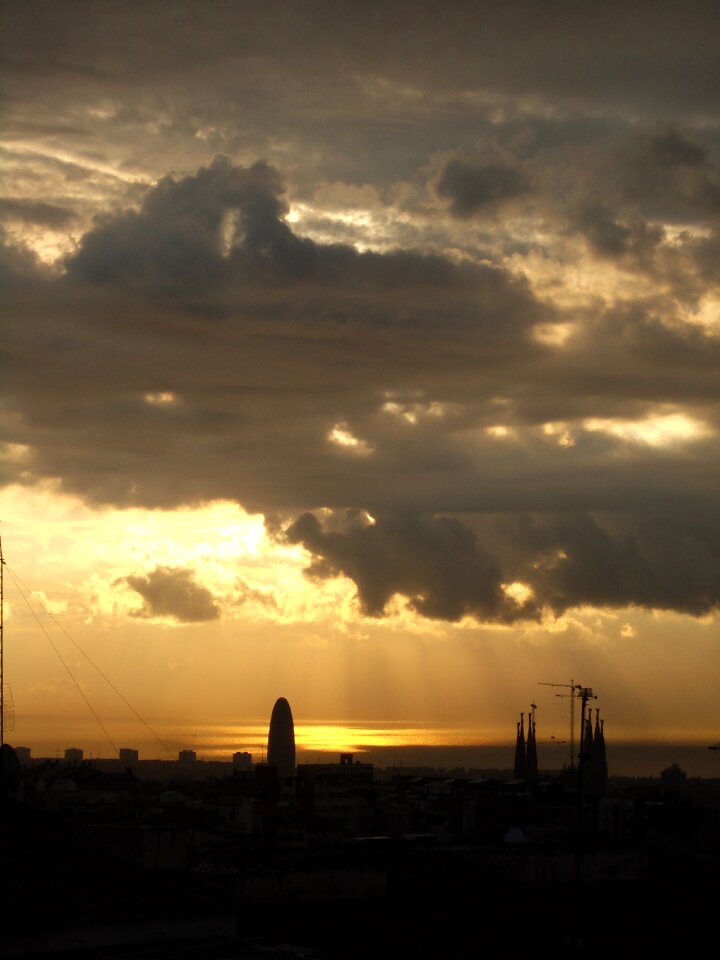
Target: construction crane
(573, 688)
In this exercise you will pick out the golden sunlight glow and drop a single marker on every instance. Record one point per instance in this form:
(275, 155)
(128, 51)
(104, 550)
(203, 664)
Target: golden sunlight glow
(14, 452)
(553, 334)
(228, 229)
(165, 398)
(341, 436)
(517, 591)
(655, 431)
(251, 575)
(47, 244)
(358, 737)
(560, 433)
(707, 315)
(498, 431)
(412, 412)
(397, 410)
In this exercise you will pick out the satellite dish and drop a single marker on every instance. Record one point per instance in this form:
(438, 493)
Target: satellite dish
(10, 771)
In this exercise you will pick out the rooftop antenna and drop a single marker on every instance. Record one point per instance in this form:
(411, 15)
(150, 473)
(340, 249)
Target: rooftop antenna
(2, 675)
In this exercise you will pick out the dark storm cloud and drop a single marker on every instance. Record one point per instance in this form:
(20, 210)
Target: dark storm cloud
(614, 239)
(375, 326)
(441, 567)
(272, 341)
(670, 563)
(599, 52)
(172, 84)
(175, 239)
(435, 562)
(473, 188)
(173, 592)
(222, 230)
(670, 176)
(222, 372)
(673, 150)
(31, 211)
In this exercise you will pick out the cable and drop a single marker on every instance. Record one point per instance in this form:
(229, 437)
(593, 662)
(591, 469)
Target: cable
(97, 668)
(23, 594)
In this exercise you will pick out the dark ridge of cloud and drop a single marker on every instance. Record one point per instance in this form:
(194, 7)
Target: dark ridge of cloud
(435, 562)
(611, 54)
(175, 240)
(413, 355)
(569, 561)
(173, 592)
(659, 562)
(673, 149)
(175, 245)
(36, 212)
(614, 239)
(669, 177)
(474, 187)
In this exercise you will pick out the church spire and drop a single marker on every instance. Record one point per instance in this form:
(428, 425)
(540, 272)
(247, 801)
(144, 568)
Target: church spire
(531, 755)
(519, 769)
(600, 756)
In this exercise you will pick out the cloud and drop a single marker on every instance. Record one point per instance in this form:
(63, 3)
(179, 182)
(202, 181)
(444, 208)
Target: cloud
(474, 188)
(435, 562)
(173, 592)
(448, 571)
(670, 177)
(614, 239)
(666, 563)
(175, 242)
(464, 286)
(36, 212)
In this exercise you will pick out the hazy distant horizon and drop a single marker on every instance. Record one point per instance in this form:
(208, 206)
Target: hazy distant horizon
(383, 743)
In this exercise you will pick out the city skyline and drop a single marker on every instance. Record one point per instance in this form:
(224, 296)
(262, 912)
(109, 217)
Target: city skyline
(364, 354)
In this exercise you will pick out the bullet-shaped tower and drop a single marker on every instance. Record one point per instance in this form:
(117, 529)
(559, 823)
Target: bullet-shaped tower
(281, 739)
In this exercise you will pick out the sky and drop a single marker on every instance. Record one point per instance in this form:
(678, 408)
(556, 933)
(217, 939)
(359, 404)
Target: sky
(364, 354)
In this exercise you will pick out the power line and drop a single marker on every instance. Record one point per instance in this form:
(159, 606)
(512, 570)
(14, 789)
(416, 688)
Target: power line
(99, 722)
(98, 670)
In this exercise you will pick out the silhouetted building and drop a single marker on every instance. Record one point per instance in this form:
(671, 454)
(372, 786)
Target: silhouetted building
(531, 766)
(187, 756)
(242, 761)
(128, 755)
(673, 778)
(23, 754)
(74, 755)
(519, 765)
(348, 770)
(599, 758)
(587, 738)
(593, 757)
(281, 739)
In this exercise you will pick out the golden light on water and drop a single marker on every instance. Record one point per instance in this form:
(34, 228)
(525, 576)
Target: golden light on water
(334, 738)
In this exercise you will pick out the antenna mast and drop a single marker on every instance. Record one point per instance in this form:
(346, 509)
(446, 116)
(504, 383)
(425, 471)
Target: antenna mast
(2, 675)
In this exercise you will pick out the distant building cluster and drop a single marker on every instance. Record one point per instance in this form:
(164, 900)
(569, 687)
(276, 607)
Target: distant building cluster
(524, 824)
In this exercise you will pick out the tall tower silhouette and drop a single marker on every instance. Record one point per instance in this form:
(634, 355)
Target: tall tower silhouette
(281, 739)
(520, 767)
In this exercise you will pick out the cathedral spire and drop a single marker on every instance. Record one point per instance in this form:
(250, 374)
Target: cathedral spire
(601, 756)
(519, 769)
(531, 754)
